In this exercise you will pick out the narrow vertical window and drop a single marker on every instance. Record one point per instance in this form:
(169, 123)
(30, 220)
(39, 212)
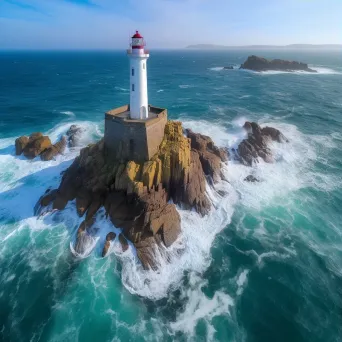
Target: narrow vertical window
(132, 71)
(133, 87)
(143, 65)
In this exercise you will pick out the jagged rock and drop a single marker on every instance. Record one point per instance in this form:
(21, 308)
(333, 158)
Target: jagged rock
(48, 198)
(54, 150)
(94, 207)
(73, 134)
(59, 202)
(124, 243)
(110, 237)
(36, 144)
(146, 252)
(251, 178)
(210, 155)
(20, 144)
(83, 201)
(256, 145)
(194, 195)
(274, 133)
(45, 200)
(136, 194)
(262, 64)
(84, 236)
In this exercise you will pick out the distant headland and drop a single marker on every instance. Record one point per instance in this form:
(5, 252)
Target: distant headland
(281, 47)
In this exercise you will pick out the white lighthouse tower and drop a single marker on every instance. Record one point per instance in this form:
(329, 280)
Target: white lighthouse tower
(138, 78)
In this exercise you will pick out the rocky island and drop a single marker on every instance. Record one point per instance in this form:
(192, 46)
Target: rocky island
(140, 197)
(143, 167)
(256, 63)
(137, 195)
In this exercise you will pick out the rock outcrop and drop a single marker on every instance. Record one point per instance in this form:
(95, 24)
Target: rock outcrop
(110, 237)
(73, 135)
(251, 179)
(20, 144)
(256, 144)
(136, 195)
(38, 144)
(54, 150)
(210, 155)
(262, 64)
(33, 145)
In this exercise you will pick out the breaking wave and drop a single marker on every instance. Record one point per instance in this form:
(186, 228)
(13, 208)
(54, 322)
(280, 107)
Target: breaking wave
(68, 112)
(320, 71)
(220, 68)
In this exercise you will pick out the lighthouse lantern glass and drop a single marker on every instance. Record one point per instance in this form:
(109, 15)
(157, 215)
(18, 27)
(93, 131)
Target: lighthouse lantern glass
(137, 42)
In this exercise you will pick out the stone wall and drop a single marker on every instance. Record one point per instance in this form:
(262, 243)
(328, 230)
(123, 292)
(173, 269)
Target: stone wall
(137, 140)
(155, 135)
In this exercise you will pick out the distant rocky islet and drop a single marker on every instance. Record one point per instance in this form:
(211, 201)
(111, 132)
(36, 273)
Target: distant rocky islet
(256, 63)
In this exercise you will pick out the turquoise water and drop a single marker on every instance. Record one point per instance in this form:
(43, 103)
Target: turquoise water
(265, 265)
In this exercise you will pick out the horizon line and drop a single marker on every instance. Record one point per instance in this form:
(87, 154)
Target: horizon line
(204, 46)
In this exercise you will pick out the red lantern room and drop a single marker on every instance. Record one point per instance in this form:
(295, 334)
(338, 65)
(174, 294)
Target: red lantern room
(137, 41)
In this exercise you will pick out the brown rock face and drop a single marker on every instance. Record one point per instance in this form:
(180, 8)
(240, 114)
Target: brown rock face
(110, 237)
(210, 155)
(124, 243)
(262, 64)
(20, 144)
(256, 145)
(84, 236)
(83, 201)
(36, 145)
(136, 194)
(54, 150)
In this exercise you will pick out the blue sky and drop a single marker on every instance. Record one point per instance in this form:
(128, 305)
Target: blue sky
(107, 24)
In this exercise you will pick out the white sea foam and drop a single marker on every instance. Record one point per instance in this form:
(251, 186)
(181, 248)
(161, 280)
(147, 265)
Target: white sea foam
(122, 89)
(68, 112)
(160, 90)
(200, 307)
(23, 179)
(241, 281)
(195, 244)
(320, 71)
(292, 171)
(216, 68)
(185, 86)
(220, 68)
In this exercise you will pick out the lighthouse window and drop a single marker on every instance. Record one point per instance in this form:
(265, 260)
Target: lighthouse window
(143, 65)
(132, 71)
(132, 87)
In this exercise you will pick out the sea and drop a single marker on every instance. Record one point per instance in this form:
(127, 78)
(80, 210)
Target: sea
(264, 265)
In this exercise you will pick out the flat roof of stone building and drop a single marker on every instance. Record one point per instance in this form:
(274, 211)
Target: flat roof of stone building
(123, 114)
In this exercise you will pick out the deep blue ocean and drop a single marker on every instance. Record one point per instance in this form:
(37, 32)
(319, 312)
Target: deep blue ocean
(265, 265)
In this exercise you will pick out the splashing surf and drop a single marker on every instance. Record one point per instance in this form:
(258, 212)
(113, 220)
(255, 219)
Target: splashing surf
(292, 171)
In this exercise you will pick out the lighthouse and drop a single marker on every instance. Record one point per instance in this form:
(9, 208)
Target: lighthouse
(138, 77)
(135, 131)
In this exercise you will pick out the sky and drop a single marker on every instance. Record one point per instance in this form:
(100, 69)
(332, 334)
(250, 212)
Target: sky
(108, 24)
